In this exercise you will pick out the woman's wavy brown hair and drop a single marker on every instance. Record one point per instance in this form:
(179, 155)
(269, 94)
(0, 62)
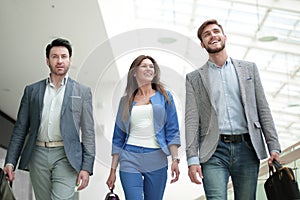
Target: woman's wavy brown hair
(132, 85)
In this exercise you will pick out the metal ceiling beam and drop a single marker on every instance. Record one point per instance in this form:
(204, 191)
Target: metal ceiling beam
(290, 48)
(283, 5)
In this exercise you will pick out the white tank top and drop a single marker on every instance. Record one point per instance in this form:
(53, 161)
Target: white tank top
(142, 131)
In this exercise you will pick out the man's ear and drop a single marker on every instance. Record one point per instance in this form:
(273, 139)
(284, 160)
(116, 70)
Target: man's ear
(201, 44)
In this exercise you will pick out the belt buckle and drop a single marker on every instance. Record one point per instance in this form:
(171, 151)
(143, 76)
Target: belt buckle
(46, 144)
(226, 139)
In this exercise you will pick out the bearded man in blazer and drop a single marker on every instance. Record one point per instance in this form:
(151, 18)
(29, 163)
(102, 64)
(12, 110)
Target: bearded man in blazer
(54, 132)
(227, 120)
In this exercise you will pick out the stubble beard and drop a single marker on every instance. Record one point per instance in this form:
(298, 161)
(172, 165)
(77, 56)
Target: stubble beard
(59, 72)
(215, 50)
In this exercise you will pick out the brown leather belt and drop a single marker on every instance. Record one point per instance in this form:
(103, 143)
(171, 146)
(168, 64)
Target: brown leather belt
(235, 138)
(50, 144)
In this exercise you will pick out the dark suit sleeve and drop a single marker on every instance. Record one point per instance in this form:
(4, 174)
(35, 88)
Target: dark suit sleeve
(88, 133)
(20, 130)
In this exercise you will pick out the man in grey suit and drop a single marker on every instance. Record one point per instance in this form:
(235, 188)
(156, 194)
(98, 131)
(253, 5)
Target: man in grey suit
(54, 132)
(227, 120)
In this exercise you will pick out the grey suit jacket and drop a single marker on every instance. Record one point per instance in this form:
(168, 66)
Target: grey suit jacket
(76, 123)
(201, 125)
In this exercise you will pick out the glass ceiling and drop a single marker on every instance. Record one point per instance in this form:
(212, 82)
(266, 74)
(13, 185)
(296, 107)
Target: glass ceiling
(267, 33)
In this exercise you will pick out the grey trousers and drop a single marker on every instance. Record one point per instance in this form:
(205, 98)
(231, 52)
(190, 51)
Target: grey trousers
(52, 176)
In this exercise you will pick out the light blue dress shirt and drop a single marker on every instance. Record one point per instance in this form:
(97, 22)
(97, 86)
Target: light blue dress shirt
(227, 96)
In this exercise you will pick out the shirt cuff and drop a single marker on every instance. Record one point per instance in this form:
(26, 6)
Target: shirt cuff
(193, 161)
(276, 151)
(9, 164)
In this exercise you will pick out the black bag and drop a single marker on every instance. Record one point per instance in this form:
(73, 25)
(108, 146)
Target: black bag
(281, 183)
(5, 188)
(112, 196)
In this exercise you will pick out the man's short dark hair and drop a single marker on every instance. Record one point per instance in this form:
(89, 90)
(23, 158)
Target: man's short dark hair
(59, 42)
(205, 24)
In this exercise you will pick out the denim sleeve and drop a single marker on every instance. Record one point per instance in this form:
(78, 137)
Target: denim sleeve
(119, 135)
(171, 126)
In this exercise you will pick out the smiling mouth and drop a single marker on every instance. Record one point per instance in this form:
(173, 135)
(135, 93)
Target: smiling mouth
(148, 75)
(214, 42)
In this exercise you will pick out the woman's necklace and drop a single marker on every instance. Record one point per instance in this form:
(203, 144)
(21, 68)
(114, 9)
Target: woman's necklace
(144, 97)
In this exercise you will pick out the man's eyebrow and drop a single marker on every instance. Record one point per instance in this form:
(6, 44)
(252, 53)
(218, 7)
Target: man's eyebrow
(214, 29)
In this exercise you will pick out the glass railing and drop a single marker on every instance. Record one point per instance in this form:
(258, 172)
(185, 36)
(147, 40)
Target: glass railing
(290, 157)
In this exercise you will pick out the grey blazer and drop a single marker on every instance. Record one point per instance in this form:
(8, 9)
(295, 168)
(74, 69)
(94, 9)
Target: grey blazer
(76, 115)
(201, 125)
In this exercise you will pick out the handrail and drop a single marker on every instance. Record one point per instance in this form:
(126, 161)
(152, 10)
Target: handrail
(284, 159)
(291, 147)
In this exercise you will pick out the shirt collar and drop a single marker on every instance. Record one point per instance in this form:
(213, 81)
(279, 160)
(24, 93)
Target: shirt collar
(64, 81)
(214, 66)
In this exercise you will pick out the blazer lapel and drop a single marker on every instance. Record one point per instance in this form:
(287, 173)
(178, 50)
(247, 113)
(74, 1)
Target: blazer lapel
(241, 75)
(41, 93)
(68, 93)
(203, 71)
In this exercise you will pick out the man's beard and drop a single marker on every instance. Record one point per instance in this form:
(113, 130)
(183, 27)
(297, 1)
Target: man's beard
(216, 50)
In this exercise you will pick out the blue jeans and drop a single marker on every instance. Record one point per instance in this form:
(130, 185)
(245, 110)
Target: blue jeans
(235, 160)
(143, 173)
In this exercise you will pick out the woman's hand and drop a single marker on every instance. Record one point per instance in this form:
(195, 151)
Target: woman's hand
(175, 171)
(111, 179)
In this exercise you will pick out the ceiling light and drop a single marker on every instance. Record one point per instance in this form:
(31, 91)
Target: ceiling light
(267, 38)
(291, 105)
(166, 40)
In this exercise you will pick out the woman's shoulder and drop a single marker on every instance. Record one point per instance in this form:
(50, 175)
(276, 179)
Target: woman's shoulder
(165, 90)
(163, 97)
(169, 93)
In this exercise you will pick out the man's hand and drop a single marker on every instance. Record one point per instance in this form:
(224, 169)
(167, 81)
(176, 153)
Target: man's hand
(274, 156)
(9, 170)
(195, 174)
(83, 179)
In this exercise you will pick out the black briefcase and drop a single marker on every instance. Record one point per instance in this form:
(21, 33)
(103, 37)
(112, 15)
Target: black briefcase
(112, 196)
(281, 183)
(6, 192)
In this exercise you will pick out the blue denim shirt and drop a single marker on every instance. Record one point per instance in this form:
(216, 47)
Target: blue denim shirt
(165, 124)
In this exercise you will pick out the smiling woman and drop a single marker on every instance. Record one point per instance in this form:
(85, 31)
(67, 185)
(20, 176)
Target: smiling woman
(146, 132)
(144, 75)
